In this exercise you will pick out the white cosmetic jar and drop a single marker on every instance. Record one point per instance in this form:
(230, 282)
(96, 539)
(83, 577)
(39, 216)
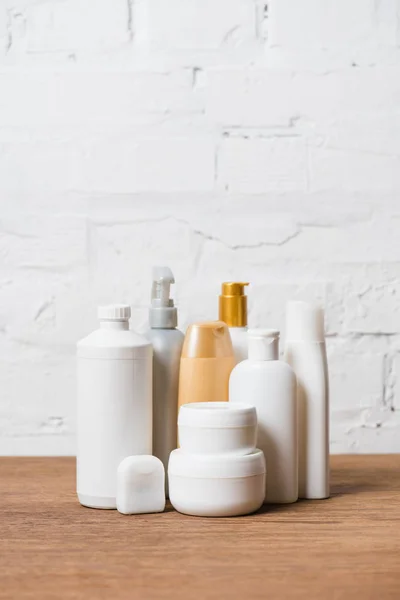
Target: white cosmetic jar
(215, 485)
(217, 428)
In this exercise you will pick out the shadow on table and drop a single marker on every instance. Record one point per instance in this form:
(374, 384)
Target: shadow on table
(368, 477)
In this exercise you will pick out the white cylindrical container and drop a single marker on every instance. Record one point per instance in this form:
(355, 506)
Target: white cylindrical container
(270, 385)
(306, 353)
(216, 486)
(167, 343)
(217, 428)
(114, 416)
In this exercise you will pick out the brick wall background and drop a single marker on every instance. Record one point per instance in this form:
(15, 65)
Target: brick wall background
(226, 138)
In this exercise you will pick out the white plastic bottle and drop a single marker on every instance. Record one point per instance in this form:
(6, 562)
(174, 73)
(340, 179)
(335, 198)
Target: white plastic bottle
(167, 343)
(233, 312)
(306, 353)
(270, 385)
(114, 416)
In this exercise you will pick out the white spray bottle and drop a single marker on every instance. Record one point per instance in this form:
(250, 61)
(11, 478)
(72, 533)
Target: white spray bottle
(167, 343)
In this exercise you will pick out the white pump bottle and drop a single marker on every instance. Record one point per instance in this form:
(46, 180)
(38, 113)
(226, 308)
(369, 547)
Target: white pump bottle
(306, 353)
(167, 343)
(270, 385)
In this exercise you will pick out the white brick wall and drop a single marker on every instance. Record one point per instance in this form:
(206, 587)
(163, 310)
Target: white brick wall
(227, 138)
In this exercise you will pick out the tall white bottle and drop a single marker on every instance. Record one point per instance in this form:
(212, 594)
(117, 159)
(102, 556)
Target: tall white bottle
(233, 312)
(114, 416)
(270, 385)
(167, 343)
(306, 353)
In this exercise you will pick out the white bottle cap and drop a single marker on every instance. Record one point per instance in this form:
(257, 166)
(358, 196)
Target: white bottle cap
(163, 314)
(140, 485)
(263, 344)
(114, 312)
(304, 322)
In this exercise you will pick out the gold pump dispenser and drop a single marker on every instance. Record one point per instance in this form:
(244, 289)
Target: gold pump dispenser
(233, 304)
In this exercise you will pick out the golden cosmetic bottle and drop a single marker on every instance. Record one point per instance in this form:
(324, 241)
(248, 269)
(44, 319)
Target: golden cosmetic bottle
(206, 363)
(233, 312)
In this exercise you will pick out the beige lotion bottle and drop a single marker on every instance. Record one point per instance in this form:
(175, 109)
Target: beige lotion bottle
(206, 363)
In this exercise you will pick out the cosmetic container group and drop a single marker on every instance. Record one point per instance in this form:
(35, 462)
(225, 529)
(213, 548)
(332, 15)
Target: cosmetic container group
(212, 419)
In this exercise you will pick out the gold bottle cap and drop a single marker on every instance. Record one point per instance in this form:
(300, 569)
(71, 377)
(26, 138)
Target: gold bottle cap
(210, 339)
(233, 304)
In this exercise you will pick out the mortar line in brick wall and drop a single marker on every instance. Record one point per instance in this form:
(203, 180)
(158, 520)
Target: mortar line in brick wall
(308, 166)
(235, 247)
(216, 158)
(130, 19)
(9, 35)
(358, 335)
(389, 380)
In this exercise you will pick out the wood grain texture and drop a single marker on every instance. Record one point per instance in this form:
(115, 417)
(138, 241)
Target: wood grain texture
(344, 547)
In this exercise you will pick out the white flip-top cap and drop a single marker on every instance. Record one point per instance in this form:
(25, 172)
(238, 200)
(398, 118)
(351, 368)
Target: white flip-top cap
(263, 344)
(114, 312)
(304, 322)
(211, 466)
(140, 485)
(217, 415)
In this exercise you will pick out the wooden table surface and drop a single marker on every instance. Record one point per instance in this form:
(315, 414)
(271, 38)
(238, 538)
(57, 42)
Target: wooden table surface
(344, 547)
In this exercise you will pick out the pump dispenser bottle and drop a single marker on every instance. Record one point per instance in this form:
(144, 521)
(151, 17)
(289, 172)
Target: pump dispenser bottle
(233, 312)
(167, 343)
(270, 385)
(306, 353)
(206, 363)
(114, 416)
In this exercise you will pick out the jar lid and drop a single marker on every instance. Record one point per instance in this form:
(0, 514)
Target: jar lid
(216, 466)
(217, 415)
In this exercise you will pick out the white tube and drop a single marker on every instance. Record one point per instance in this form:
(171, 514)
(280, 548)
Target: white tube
(305, 351)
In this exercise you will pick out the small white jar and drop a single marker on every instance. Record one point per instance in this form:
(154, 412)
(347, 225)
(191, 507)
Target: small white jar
(217, 428)
(216, 486)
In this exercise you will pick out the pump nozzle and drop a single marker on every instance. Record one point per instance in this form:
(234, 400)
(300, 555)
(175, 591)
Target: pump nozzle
(163, 314)
(233, 304)
(160, 290)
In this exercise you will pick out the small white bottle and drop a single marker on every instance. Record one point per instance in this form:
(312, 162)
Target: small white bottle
(114, 416)
(270, 385)
(305, 351)
(233, 312)
(167, 343)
